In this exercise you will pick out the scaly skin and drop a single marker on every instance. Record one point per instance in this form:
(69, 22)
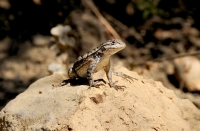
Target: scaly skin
(98, 59)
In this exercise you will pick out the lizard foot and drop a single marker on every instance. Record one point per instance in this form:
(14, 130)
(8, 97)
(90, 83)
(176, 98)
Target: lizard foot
(124, 76)
(96, 83)
(117, 87)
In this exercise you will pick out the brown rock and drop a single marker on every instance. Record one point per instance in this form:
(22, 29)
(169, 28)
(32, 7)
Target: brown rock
(144, 105)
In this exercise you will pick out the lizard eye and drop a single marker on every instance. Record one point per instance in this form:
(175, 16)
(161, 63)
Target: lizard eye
(112, 43)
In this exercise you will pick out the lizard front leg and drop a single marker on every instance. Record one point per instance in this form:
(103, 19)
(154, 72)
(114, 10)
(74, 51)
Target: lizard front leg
(109, 74)
(108, 71)
(90, 71)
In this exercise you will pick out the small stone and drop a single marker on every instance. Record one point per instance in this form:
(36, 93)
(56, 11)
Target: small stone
(40, 40)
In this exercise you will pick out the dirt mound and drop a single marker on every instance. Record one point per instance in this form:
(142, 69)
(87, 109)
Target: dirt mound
(143, 105)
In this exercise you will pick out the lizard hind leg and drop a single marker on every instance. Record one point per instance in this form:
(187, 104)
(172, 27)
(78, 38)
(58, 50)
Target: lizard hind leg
(124, 76)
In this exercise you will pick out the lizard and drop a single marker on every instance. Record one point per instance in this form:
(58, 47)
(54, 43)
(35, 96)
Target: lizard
(97, 59)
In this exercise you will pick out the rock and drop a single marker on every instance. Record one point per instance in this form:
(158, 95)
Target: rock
(144, 105)
(61, 33)
(59, 30)
(168, 34)
(56, 68)
(187, 71)
(40, 40)
(5, 4)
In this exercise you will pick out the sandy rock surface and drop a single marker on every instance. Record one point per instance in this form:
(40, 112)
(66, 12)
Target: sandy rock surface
(144, 105)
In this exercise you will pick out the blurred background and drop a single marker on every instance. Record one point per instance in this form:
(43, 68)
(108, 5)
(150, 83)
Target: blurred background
(41, 37)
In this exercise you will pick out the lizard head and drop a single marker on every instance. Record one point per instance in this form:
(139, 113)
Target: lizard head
(110, 47)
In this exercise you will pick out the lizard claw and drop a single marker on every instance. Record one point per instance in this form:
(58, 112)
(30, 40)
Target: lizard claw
(96, 84)
(117, 87)
(128, 78)
(124, 76)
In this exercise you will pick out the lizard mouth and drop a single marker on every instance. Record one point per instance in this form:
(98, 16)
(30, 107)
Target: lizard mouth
(112, 51)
